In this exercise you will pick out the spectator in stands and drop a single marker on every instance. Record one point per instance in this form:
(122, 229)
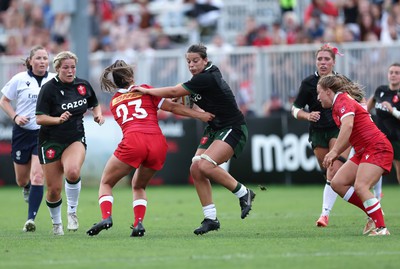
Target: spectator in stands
(323, 131)
(274, 107)
(326, 7)
(292, 27)
(4, 4)
(220, 52)
(278, 34)
(367, 26)
(390, 21)
(14, 45)
(263, 37)
(315, 27)
(206, 13)
(350, 10)
(240, 40)
(61, 26)
(163, 42)
(146, 17)
(287, 5)
(124, 51)
(245, 95)
(290, 100)
(250, 30)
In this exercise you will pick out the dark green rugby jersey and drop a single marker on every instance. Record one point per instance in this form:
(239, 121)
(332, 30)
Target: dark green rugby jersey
(307, 96)
(57, 97)
(211, 93)
(386, 122)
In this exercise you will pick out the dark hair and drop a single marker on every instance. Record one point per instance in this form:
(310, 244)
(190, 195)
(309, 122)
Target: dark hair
(395, 64)
(198, 48)
(340, 83)
(118, 75)
(31, 54)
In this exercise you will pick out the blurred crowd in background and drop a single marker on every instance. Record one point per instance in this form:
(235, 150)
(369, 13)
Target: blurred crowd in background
(128, 28)
(135, 26)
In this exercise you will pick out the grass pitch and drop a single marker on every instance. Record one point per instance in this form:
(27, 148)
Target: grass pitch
(280, 232)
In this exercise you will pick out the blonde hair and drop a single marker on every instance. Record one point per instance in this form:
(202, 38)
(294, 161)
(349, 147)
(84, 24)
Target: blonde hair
(119, 75)
(340, 83)
(57, 61)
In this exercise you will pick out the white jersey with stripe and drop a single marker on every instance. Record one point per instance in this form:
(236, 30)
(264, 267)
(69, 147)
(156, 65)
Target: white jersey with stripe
(24, 89)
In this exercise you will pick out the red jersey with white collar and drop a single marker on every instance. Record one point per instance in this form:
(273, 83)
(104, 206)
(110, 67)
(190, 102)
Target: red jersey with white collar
(135, 112)
(364, 130)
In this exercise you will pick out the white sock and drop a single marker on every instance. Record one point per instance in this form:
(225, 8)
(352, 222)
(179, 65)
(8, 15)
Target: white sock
(72, 192)
(139, 202)
(55, 213)
(378, 189)
(328, 200)
(241, 192)
(210, 211)
(348, 194)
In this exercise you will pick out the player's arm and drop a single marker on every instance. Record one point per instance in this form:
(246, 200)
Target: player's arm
(43, 119)
(5, 104)
(179, 109)
(166, 92)
(98, 115)
(342, 141)
(371, 104)
(300, 114)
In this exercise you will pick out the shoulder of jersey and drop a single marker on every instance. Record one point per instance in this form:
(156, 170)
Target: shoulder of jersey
(146, 86)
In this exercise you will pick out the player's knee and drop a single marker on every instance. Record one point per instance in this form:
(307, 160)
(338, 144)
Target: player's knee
(209, 159)
(73, 174)
(335, 185)
(196, 158)
(324, 172)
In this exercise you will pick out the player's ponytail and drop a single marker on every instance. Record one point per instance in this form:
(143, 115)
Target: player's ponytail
(119, 75)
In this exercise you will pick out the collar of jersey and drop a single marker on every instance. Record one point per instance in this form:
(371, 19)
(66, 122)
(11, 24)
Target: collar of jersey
(317, 75)
(209, 65)
(30, 73)
(125, 90)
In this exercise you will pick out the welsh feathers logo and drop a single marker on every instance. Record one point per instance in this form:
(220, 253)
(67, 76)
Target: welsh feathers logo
(82, 90)
(395, 98)
(50, 153)
(203, 140)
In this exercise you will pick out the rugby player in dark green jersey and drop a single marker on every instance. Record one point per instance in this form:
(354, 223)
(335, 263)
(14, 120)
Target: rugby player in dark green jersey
(223, 138)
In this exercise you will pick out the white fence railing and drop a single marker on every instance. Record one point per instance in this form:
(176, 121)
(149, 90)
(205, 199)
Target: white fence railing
(259, 72)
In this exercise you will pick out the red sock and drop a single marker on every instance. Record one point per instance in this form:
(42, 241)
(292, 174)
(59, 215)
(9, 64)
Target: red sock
(106, 202)
(354, 199)
(139, 210)
(375, 212)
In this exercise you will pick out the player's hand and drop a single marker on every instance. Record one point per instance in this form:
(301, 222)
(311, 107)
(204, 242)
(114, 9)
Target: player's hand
(388, 106)
(314, 116)
(21, 120)
(329, 158)
(99, 119)
(206, 116)
(139, 89)
(65, 116)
